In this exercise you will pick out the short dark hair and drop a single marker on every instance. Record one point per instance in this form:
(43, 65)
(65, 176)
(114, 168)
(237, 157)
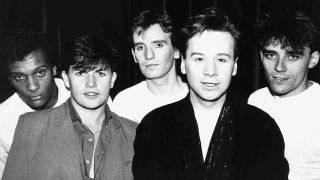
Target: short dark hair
(294, 29)
(87, 52)
(146, 19)
(212, 19)
(22, 42)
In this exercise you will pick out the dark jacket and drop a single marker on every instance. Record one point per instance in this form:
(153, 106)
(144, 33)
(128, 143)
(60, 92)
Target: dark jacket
(246, 144)
(46, 147)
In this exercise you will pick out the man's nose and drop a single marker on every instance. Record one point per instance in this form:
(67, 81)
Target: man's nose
(149, 53)
(32, 84)
(91, 80)
(280, 65)
(210, 69)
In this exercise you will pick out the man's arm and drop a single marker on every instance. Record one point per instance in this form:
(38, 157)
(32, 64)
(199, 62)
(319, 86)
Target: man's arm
(149, 161)
(17, 161)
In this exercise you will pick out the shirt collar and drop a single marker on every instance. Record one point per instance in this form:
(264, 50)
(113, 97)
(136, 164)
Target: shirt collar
(75, 116)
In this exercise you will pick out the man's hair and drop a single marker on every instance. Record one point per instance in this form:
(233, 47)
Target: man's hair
(146, 19)
(212, 19)
(23, 42)
(292, 29)
(89, 52)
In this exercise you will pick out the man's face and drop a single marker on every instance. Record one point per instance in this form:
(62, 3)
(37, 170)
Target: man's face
(89, 89)
(209, 65)
(33, 80)
(154, 52)
(286, 70)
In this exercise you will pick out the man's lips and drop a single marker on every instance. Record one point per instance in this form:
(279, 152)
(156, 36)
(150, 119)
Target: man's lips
(92, 94)
(210, 84)
(35, 98)
(280, 79)
(151, 65)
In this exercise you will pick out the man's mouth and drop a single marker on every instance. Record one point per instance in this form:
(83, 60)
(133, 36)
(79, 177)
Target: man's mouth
(91, 94)
(210, 84)
(280, 79)
(35, 98)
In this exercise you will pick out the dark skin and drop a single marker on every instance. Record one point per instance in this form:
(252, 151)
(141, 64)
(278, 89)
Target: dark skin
(33, 80)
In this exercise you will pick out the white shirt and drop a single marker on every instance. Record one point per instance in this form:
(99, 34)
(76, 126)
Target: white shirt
(137, 101)
(10, 111)
(298, 118)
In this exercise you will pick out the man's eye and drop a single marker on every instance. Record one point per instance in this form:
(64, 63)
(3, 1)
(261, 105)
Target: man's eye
(269, 55)
(40, 73)
(79, 73)
(18, 77)
(101, 74)
(222, 60)
(159, 45)
(293, 57)
(138, 48)
(199, 59)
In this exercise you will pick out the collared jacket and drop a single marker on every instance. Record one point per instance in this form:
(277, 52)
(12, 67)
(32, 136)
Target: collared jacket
(246, 145)
(45, 147)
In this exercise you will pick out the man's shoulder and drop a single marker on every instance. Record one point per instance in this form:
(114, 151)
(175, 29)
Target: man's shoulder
(131, 92)
(258, 95)
(44, 116)
(128, 126)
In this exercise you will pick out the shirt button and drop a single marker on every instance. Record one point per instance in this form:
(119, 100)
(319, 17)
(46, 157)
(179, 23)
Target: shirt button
(90, 139)
(87, 161)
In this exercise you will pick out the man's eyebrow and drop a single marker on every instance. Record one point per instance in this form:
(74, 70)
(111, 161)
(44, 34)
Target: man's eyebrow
(196, 53)
(137, 44)
(159, 41)
(224, 54)
(267, 51)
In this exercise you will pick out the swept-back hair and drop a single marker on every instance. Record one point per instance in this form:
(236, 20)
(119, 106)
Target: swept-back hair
(293, 29)
(212, 19)
(146, 19)
(89, 52)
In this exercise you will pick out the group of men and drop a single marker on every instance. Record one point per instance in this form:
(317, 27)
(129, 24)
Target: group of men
(164, 128)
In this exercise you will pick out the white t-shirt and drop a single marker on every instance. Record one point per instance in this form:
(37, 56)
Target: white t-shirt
(137, 101)
(10, 110)
(299, 120)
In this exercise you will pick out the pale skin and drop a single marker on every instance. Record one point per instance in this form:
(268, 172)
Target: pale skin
(286, 70)
(154, 53)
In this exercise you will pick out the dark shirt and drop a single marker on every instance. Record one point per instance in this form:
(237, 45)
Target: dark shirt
(87, 140)
(246, 145)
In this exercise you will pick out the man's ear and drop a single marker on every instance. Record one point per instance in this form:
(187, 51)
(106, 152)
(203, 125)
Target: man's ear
(176, 54)
(113, 79)
(314, 59)
(54, 70)
(65, 79)
(183, 65)
(133, 55)
(235, 67)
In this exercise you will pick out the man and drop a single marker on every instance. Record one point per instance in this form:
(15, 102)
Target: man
(154, 49)
(31, 72)
(207, 135)
(289, 47)
(82, 138)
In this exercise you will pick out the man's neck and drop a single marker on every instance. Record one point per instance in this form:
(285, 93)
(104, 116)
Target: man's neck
(206, 106)
(168, 85)
(92, 118)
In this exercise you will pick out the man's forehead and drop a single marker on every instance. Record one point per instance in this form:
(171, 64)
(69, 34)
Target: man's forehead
(30, 63)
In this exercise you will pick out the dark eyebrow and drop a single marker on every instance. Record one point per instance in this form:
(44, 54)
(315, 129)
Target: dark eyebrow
(159, 41)
(224, 54)
(138, 43)
(267, 51)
